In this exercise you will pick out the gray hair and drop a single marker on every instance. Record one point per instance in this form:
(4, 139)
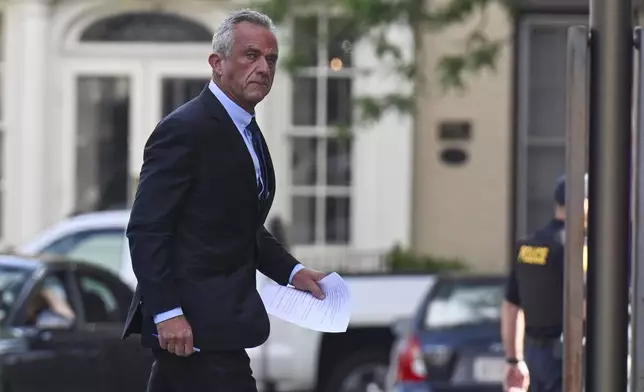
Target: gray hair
(222, 40)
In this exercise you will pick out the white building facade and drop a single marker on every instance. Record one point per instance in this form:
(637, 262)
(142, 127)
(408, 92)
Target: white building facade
(84, 83)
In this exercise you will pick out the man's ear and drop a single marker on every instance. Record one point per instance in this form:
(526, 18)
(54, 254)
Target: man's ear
(215, 61)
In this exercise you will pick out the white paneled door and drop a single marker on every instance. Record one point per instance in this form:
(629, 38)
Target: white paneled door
(111, 108)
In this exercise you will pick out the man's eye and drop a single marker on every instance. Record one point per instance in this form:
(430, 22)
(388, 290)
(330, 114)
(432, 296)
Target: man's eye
(251, 56)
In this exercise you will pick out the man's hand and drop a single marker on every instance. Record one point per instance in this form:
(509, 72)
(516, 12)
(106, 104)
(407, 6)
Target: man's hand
(175, 335)
(517, 377)
(307, 280)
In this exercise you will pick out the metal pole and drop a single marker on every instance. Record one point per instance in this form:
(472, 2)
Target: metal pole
(609, 177)
(637, 255)
(576, 162)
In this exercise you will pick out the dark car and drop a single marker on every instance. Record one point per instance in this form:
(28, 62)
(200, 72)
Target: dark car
(453, 342)
(60, 329)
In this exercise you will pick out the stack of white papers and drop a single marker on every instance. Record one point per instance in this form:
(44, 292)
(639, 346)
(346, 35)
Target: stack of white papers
(331, 314)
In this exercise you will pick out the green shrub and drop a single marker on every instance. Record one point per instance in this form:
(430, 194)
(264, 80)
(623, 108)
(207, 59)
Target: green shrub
(401, 260)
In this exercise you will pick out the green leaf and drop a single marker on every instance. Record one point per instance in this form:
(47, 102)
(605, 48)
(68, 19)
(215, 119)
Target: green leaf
(372, 109)
(484, 55)
(384, 47)
(451, 68)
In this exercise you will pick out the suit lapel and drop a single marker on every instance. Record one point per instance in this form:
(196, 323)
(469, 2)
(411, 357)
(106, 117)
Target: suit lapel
(238, 146)
(232, 136)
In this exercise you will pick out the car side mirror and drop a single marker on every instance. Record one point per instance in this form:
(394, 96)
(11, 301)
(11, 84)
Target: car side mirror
(401, 326)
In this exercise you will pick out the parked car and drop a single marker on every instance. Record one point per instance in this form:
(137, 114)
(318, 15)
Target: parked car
(453, 341)
(60, 329)
(293, 358)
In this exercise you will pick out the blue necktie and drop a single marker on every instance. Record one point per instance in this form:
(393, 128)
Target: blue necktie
(256, 139)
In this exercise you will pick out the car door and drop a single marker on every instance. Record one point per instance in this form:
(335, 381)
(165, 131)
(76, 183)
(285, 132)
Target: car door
(105, 302)
(58, 357)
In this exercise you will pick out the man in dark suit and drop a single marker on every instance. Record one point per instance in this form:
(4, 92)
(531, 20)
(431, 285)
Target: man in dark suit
(196, 231)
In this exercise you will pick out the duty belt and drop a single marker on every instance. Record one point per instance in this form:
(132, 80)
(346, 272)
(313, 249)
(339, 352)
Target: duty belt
(542, 342)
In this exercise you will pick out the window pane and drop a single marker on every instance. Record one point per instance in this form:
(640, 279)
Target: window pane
(304, 160)
(2, 73)
(2, 43)
(547, 81)
(338, 162)
(338, 217)
(305, 41)
(339, 101)
(51, 307)
(102, 247)
(465, 304)
(177, 91)
(99, 301)
(305, 101)
(146, 27)
(341, 40)
(540, 212)
(1, 212)
(545, 165)
(12, 280)
(102, 144)
(2, 153)
(304, 217)
(105, 250)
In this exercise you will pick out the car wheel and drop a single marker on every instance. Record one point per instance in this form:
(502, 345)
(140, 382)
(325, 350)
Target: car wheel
(363, 371)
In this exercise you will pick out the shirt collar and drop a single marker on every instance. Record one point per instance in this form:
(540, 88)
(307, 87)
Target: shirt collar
(240, 117)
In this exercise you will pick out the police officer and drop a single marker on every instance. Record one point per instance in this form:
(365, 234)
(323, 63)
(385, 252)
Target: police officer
(532, 312)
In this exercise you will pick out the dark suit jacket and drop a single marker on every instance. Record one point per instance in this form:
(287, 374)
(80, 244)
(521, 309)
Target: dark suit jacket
(197, 234)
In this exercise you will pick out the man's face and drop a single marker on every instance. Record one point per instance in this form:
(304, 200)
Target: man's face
(247, 74)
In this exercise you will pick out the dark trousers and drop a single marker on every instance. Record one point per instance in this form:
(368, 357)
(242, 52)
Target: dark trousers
(545, 366)
(212, 371)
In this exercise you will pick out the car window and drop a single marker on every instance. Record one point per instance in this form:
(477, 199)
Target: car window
(100, 299)
(101, 247)
(12, 281)
(456, 303)
(49, 306)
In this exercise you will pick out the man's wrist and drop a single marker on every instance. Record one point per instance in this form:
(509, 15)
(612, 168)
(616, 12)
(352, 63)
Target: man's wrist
(161, 317)
(513, 360)
(294, 271)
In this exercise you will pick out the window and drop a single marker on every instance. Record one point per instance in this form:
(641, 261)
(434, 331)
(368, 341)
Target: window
(103, 132)
(456, 304)
(541, 149)
(49, 305)
(177, 91)
(2, 124)
(101, 247)
(146, 27)
(320, 158)
(100, 300)
(12, 281)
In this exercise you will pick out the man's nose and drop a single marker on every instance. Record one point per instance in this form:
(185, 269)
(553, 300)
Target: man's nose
(263, 66)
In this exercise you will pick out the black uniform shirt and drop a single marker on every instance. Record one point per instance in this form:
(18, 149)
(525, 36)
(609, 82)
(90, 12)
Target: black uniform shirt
(535, 282)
